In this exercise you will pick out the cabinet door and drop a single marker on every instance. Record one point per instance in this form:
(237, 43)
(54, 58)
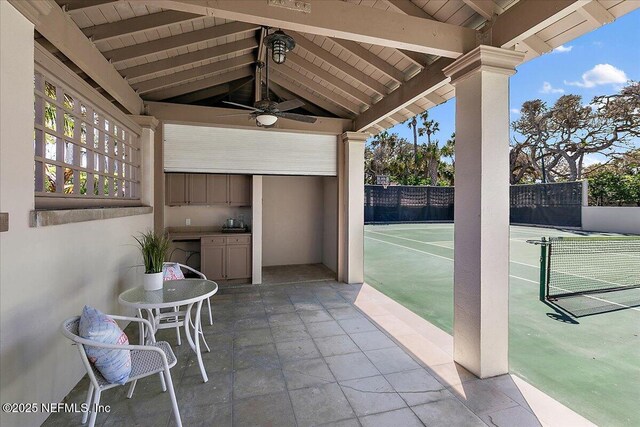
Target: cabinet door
(197, 189)
(238, 261)
(217, 189)
(240, 190)
(176, 191)
(213, 261)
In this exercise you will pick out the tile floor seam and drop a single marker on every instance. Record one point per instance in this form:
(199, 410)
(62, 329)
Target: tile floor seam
(284, 378)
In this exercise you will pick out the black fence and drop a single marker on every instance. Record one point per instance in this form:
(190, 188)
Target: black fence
(538, 204)
(558, 204)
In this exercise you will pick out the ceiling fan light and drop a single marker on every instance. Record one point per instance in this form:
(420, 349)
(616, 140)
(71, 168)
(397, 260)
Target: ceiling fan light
(266, 119)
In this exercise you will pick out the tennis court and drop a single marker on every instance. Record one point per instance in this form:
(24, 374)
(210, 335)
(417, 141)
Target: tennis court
(583, 351)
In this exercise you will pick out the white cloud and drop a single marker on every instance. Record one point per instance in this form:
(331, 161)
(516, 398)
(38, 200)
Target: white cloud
(590, 159)
(547, 88)
(562, 49)
(515, 111)
(601, 74)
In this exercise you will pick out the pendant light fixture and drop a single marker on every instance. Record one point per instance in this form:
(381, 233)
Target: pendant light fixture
(279, 43)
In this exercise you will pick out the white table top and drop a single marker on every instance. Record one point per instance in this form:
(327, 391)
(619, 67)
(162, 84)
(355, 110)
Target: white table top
(172, 294)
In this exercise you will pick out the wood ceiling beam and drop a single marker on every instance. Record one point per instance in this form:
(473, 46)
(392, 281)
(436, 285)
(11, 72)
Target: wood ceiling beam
(317, 87)
(329, 78)
(78, 6)
(486, 8)
(313, 98)
(177, 61)
(135, 25)
(218, 79)
(418, 87)
(527, 17)
(210, 116)
(596, 14)
(535, 45)
(181, 40)
(369, 57)
(414, 109)
(192, 73)
(232, 87)
(58, 27)
(408, 7)
(306, 44)
(282, 93)
(357, 23)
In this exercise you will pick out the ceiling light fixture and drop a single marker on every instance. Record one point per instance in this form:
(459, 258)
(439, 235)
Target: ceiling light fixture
(279, 43)
(266, 119)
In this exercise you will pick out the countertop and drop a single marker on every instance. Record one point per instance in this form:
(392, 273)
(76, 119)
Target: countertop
(196, 233)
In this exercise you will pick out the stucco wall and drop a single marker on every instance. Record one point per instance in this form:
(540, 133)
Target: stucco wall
(292, 220)
(611, 219)
(330, 224)
(46, 274)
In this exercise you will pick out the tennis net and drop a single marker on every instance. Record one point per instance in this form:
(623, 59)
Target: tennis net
(582, 265)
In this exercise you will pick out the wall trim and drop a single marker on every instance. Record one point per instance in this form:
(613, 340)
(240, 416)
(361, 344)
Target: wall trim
(69, 216)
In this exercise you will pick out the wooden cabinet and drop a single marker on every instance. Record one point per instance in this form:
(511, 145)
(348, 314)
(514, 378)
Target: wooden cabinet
(207, 189)
(176, 189)
(239, 190)
(213, 261)
(197, 184)
(217, 189)
(226, 258)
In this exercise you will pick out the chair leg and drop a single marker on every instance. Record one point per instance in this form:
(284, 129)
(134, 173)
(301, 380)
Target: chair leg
(172, 394)
(132, 387)
(94, 412)
(162, 382)
(85, 413)
(209, 306)
(141, 328)
(177, 326)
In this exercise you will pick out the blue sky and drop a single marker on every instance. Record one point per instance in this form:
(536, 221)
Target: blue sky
(589, 66)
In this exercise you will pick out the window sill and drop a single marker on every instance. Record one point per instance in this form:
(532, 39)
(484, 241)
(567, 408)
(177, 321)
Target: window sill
(45, 218)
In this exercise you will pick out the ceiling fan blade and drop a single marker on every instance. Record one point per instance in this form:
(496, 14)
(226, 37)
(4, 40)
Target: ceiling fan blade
(233, 115)
(240, 105)
(289, 105)
(297, 117)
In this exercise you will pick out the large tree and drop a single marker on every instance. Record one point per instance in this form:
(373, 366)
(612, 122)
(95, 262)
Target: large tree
(554, 140)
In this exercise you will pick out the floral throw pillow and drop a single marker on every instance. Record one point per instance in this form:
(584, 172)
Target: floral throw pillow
(172, 272)
(114, 365)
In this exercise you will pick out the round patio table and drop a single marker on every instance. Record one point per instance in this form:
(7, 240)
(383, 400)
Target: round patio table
(175, 293)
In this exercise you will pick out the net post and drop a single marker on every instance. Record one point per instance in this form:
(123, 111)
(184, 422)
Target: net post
(543, 270)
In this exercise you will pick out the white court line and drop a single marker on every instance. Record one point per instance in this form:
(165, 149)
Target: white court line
(411, 240)
(515, 262)
(511, 275)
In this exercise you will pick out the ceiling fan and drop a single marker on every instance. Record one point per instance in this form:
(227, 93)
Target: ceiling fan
(266, 112)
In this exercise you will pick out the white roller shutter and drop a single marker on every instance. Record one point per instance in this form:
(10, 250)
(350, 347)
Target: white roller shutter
(190, 148)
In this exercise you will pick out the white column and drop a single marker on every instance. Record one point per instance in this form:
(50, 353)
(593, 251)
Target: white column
(147, 142)
(481, 239)
(256, 230)
(352, 207)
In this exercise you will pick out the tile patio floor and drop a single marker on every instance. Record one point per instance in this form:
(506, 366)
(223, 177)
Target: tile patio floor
(305, 355)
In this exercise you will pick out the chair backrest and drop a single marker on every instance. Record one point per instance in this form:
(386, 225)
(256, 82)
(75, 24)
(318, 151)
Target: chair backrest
(70, 329)
(186, 267)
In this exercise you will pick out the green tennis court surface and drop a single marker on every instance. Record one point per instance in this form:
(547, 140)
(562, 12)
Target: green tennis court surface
(589, 362)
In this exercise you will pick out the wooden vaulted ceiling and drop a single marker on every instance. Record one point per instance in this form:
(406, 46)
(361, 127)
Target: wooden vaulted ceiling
(175, 54)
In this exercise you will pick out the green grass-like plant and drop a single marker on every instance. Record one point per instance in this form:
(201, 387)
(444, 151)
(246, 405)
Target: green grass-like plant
(154, 248)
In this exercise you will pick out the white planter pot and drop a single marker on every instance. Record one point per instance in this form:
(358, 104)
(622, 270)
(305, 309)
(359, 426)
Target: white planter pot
(152, 281)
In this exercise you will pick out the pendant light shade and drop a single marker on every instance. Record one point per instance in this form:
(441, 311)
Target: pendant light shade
(279, 43)
(266, 119)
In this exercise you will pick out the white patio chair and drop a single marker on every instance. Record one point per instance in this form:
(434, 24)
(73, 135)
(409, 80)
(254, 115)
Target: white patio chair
(199, 274)
(152, 358)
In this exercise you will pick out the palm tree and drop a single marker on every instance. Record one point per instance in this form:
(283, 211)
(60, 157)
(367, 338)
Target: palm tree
(431, 153)
(412, 124)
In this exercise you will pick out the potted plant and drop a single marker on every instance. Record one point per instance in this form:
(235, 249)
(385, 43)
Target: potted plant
(154, 248)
